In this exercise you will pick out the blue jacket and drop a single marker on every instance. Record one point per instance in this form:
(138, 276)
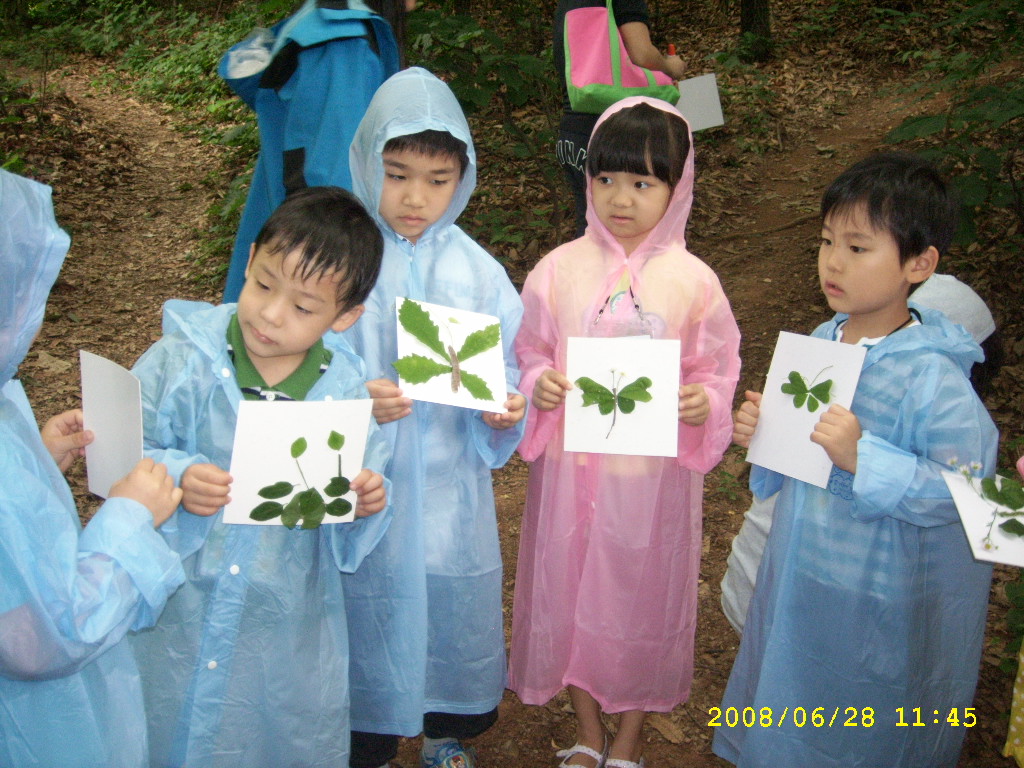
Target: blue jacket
(324, 66)
(248, 665)
(425, 608)
(69, 686)
(868, 595)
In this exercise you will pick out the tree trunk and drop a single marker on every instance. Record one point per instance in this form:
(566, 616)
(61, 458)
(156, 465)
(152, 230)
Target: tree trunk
(755, 30)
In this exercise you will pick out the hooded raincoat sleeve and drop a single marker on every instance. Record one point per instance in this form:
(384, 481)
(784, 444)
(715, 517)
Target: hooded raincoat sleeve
(321, 67)
(248, 665)
(425, 607)
(606, 586)
(868, 596)
(68, 596)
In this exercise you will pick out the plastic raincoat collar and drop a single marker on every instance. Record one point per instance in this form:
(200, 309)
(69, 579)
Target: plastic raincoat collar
(408, 102)
(672, 227)
(32, 249)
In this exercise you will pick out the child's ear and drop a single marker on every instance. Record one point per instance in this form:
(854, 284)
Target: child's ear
(252, 255)
(919, 268)
(347, 319)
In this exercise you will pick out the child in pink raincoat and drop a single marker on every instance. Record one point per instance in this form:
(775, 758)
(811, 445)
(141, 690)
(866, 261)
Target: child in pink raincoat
(606, 587)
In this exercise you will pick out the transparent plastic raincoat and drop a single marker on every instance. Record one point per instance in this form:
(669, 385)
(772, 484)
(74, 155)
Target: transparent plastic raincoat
(69, 686)
(425, 615)
(868, 596)
(606, 586)
(309, 80)
(248, 665)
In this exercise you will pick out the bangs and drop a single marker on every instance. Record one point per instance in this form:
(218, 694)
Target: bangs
(641, 139)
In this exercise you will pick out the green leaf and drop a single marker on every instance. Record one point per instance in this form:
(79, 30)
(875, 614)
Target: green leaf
(314, 517)
(338, 486)
(1013, 527)
(812, 403)
(299, 447)
(637, 390)
(1011, 494)
(796, 384)
(596, 393)
(335, 441)
(799, 399)
(268, 510)
(480, 341)
(476, 386)
(989, 489)
(309, 500)
(823, 391)
(276, 491)
(417, 369)
(292, 513)
(416, 320)
(339, 507)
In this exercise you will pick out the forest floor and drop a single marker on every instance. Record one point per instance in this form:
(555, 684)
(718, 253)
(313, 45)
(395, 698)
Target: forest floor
(129, 188)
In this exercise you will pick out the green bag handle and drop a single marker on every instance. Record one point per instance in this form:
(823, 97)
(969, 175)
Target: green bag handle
(613, 43)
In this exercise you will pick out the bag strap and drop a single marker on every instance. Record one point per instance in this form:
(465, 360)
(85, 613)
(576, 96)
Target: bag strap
(613, 43)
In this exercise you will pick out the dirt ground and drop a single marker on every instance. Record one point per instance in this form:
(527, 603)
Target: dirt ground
(130, 191)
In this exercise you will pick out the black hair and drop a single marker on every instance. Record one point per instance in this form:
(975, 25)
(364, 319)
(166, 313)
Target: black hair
(432, 144)
(904, 195)
(334, 234)
(393, 12)
(640, 139)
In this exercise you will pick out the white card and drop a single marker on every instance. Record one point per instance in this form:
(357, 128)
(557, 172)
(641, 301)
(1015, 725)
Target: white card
(267, 437)
(782, 440)
(700, 103)
(618, 367)
(450, 356)
(981, 522)
(112, 408)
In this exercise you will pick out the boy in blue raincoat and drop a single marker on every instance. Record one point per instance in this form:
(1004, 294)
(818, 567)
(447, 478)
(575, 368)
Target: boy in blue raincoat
(248, 665)
(309, 80)
(869, 611)
(425, 620)
(69, 685)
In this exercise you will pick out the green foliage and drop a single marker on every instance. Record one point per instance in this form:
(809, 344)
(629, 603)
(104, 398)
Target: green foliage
(418, 369)
(308, 505)
(977, 135)
(614, 400)
(814, 395)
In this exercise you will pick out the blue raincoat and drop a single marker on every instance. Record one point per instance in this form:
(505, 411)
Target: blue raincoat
(248, 665)
(868, 596)
(425, 608)
(69, 687)
(323, 66)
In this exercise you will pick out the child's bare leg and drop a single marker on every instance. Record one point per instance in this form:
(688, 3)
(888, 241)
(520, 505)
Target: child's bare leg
(627, 744)
(589, 730)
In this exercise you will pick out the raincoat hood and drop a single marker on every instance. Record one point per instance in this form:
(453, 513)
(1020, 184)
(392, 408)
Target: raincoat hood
(936, 334)
(32, 249)
(408, 102)
(672, 227)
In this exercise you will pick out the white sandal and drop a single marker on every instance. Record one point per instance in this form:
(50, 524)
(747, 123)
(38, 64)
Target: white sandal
(617, 763)
(580, 749)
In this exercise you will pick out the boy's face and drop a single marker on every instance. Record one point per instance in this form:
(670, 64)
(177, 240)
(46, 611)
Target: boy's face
(861, 275)
(417, 190)
(281, 315)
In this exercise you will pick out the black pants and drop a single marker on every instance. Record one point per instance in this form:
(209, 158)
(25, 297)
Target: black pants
(370, 750)
(571, 151)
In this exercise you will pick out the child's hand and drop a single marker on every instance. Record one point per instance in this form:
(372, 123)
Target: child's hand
(694, 406)
(550, 389)
(388, 403)
(150, 485)
(65, 438)
(744, 421)
(371, 497)
(515, 408)
(206, 488)
(838, 431)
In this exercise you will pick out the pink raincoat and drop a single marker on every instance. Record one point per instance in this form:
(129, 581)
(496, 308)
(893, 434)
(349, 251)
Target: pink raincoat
(606, 586)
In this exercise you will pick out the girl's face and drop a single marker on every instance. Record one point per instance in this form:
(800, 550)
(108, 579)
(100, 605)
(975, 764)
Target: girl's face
(629, 204)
